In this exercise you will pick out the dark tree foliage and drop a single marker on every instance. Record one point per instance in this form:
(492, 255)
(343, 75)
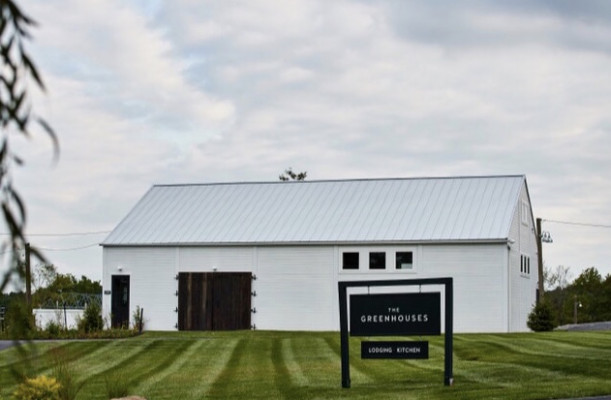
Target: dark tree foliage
(541, 318)
(63, 284)
(289, 175)
(586, 299)
(16, 119)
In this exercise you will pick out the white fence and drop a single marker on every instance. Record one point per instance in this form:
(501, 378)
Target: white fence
(64, 318)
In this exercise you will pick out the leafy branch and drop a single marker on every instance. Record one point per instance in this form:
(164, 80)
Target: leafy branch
(16, 117)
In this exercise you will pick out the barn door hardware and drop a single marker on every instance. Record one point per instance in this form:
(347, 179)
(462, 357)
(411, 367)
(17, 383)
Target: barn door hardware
(176, 294)
(176, 277)
(254, 277)
(253, 310)
(253, 294)
(176, 325)
(253, 327)
(176, 309)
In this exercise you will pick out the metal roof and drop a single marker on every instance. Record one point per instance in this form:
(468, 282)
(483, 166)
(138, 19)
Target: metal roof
(338, 211)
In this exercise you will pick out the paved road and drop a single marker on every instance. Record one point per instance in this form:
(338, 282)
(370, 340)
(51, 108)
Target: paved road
(593, 326)
(5, 344)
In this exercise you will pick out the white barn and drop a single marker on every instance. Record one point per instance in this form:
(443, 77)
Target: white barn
(269, 255)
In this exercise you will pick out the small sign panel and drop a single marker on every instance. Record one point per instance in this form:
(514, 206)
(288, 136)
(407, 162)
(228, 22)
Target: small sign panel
(395, 350)
(395, 314)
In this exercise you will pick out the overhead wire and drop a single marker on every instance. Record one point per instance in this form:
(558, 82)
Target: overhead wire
(63, 234)
(578, 223)
(68, 249)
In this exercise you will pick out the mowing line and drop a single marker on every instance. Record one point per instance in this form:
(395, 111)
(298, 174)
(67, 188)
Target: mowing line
(213, 366)
(294, 368)
(156, 361)
(282, 377)
(179, 358)
(358, 372)
(226, 375)
(94, 383)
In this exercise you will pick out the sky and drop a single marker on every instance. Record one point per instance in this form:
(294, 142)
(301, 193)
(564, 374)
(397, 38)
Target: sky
(146, 92)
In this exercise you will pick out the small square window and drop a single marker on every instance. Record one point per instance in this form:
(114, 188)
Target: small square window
(377, 260)
(350, 260)
(404, 260)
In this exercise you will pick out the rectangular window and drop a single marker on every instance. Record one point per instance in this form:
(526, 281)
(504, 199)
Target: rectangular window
(525, 213)
(524, 264)
(404, 260)
(528, 265)
(350, 260)
(377, 260)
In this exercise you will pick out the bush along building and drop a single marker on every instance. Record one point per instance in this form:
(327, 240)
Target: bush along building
(269, 255)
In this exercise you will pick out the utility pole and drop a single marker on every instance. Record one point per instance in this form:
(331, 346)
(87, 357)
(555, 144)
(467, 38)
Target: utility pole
(28, 276)
(540, 260)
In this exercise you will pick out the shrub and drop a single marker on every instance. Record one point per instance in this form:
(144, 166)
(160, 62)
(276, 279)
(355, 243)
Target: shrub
(39, 388)
(138, 319)
(92, 320)
(541, 317)
(53, 329)
(20, 322)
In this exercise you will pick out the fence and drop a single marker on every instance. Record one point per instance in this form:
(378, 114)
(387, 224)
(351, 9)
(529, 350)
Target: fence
(66, 310)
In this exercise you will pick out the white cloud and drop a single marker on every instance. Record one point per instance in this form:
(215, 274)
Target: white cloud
(214, 91)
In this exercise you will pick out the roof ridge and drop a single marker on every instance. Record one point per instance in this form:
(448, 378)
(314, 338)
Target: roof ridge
(387, 179)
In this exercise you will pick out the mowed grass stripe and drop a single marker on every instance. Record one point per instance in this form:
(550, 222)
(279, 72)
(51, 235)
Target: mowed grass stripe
(197, 371)
(358, 371)
(282, 376)
(548, 346)
(121, 368)
(250, 371)
(43, 359)
(317, 360)
(256, 364)
(183, 353)
(554, 359)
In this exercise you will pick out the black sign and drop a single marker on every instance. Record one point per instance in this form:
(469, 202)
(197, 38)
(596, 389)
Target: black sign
(395, 314)
(396, 350)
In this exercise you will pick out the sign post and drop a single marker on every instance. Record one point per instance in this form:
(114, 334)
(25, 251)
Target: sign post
(395, 314)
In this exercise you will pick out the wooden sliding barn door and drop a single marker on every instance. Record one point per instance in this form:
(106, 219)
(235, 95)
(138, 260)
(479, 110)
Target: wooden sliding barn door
(214, 300)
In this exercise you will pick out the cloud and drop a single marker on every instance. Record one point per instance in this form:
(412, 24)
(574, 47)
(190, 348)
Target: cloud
(189, 91)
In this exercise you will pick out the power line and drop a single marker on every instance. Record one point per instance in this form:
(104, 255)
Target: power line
(578, 223)
(62, 234)
(68, 249)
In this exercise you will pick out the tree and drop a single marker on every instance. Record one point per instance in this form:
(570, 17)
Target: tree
(62, 285)
(16, 118)
(558, 278)
(587, 290)
(541, 318)
(290, 175)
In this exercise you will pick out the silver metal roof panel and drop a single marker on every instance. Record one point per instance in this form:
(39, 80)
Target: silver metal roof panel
(344, 211)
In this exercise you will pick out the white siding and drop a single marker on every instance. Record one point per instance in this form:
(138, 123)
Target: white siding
(523, 286)
(152, 284)
(226, 259)
(295, 288)
(480, 300)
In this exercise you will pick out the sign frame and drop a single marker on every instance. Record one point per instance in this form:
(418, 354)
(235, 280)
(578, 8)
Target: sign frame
(448, 377)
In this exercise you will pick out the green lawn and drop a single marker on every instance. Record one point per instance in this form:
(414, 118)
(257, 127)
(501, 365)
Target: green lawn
(296, 365)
